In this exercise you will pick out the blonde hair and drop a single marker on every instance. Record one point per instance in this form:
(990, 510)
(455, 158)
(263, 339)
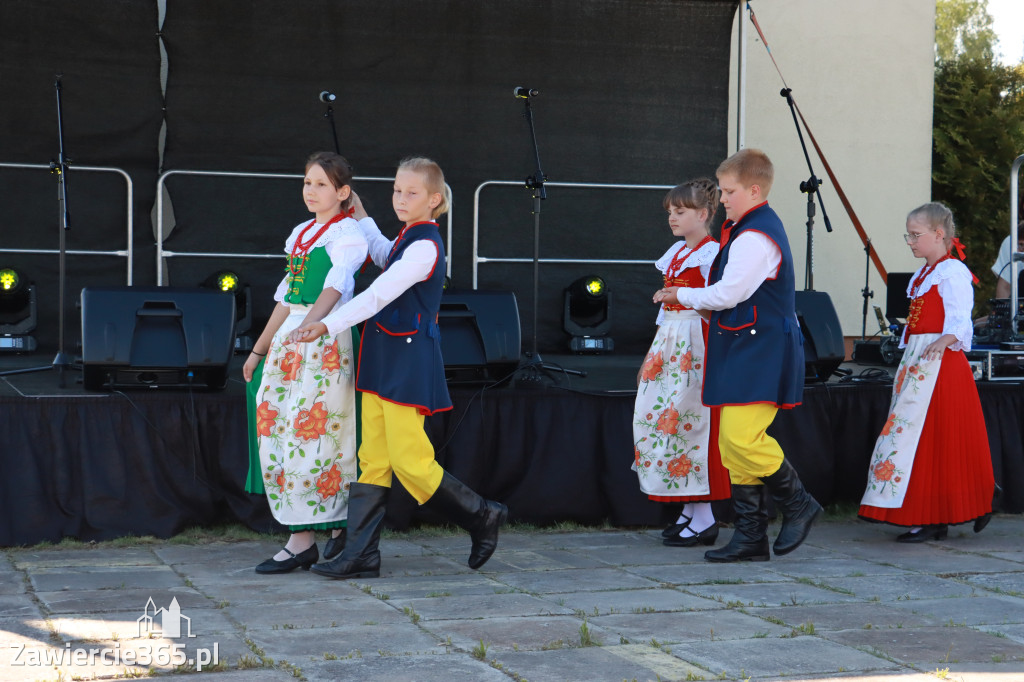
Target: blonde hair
(751, 167)
(935, 215)
(696, 194)
(433, 178)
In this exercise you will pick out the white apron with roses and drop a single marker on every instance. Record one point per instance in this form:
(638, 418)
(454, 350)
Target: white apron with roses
(671, 426)
(306, 421)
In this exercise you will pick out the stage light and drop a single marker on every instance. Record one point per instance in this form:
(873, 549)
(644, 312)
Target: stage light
(229, 282)
(17, 311)
(586, 315)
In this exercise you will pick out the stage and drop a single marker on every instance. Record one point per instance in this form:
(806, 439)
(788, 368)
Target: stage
(99, 465)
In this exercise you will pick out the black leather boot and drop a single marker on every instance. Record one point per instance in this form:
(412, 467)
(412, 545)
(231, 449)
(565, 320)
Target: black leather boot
(750, 538)
(798, 508)
(334, 545)
(360, 558)
(482, 518)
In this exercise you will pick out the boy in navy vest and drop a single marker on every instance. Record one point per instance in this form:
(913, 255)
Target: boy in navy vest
(755, 360)
(401, 377)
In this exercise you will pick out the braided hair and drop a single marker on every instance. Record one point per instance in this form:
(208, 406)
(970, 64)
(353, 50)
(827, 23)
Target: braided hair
(700, 193)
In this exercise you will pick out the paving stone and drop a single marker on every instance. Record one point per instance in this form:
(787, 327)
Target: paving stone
(399, 566)
(105, 601)
(301, 646)
(481, 606)
(710, 574)
(541, 560)
(631, 601)
(316, 614)
(770, 594)
(1006, 583)
(865, 615)
(895, 588)
(85, 556)
(1010, 671)
(20, 605)
(11, 582)
(277, 589)
(981, 610)
(103, 577)
(431, 585)
(836, 568)
(813, 548)
(779, 657)
(19, 629)
(942, 560)
(652, 554)
(376, 668)
(682, 627)
(1015, 556)
(529, 633)
(125, 625)
(928, 647)
(238, 553)
(1014, 632)
(596, 663)
(574, 579)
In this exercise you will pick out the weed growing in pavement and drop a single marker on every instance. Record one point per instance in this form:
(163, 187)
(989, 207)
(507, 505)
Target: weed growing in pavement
(479, 652)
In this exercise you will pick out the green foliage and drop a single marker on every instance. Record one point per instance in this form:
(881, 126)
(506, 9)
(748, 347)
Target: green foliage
(963, 29)
(978, 130)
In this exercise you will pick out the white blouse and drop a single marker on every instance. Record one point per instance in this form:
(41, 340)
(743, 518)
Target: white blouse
(347, 249)
(957, 291)
(702, 258)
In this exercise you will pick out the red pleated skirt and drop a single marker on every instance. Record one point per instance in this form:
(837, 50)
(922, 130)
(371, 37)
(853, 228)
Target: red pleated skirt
(719, 486)
(951, 481)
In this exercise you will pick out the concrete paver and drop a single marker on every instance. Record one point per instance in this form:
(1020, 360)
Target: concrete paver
(598, 605)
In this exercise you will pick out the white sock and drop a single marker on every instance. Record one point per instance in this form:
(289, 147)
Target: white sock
(703, 518)
(686, 514)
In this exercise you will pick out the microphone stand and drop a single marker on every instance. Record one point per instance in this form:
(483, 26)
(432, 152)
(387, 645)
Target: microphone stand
(329, 115)
(533, 364)
(61, 361)
(810, 188)
(866, 291)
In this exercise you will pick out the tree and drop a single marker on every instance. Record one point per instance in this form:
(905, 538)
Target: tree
(977, 132)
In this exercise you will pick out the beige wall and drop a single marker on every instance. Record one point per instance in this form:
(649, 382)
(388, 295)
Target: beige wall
(862, 75)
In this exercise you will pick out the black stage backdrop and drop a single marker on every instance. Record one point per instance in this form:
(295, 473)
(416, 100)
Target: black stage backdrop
(108, 53)
(157, 462)
(631, 92)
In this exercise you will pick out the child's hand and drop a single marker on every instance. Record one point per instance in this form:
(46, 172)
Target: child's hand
(249, 368)
(357, 206)
(666, 295)
(307, 333)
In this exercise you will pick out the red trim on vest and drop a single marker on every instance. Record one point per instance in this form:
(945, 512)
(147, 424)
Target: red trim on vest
(733, 329)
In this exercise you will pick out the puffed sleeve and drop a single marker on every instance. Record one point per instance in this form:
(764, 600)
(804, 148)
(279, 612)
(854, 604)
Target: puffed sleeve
(282, 290)
(348, 253)
(957, 301)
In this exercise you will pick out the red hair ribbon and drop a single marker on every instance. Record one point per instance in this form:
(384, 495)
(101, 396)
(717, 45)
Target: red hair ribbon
(959, 247)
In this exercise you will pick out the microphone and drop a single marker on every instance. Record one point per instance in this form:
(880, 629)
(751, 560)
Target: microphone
(524, 93)
(326, 96)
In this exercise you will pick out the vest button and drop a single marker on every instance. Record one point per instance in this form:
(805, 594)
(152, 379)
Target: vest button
(408, 340)
(753, 331)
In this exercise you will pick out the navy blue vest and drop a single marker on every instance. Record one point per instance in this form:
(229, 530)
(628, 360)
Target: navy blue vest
(400, 353)
(755, 351)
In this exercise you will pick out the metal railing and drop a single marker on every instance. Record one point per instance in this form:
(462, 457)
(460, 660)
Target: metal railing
(162, 254)
(123, 253)
(478, 259)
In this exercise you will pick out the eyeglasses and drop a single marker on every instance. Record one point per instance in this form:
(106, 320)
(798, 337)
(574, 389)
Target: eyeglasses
(911, 237)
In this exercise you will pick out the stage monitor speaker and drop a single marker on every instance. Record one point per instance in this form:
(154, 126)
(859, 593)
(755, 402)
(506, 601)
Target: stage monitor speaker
(897, 305)
(480, 335)
(167, 337)
(824, 349)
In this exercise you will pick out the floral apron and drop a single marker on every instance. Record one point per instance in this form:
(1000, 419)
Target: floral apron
(671, 426)
(306, 425)
(893, 458)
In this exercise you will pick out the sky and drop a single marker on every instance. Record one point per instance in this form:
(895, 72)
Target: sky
(1008, 23)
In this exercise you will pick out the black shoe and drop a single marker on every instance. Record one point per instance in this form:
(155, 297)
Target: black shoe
(302, 560)
(749, 540)
(482, 518)
(936, 532)
(334, 545)
(705, 537)
(675, 528)
(981, 522)
(799, 509)
(361, 557)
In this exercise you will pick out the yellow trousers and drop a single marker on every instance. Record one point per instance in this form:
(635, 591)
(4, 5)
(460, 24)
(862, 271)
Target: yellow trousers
(748, 452)
(394, 441)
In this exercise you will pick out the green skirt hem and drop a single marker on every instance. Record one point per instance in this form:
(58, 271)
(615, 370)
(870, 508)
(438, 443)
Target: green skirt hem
(329, 525)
